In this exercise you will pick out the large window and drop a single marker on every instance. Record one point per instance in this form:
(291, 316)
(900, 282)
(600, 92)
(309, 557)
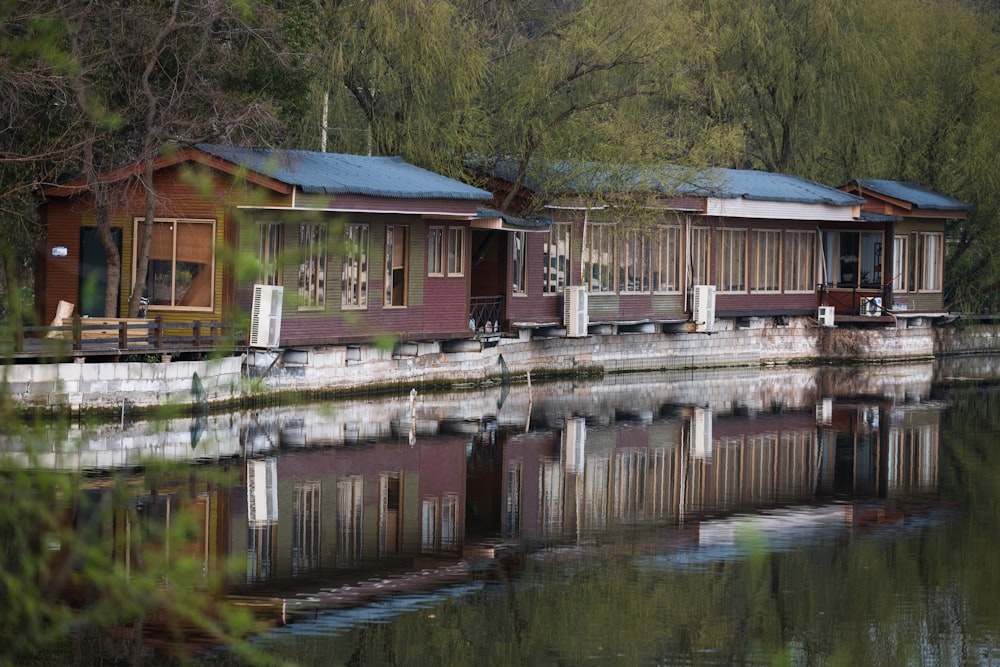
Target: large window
(557, 257)
(666, 259)
(435, 251)
(900, 261)
(181, 270)
(354, 280)
(700, 253)
(634, 263)
(519, 269)
(854, 259)
(456, 251)
(599, 258)
(800, 261)
(396, 260)
(312, 267)
(269, 246)
(767, 261)
(929, 251)
(732, 260)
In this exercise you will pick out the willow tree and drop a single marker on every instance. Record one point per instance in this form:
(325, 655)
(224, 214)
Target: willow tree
(402, 78)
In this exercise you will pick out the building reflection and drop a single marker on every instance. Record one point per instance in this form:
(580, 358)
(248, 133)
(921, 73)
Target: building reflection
(338, 506)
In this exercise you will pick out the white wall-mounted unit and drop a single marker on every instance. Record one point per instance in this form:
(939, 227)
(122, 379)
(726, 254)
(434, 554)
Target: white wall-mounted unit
(826, 315)
(871, 306)
(265, 315)
(700, 433)
(703, 308)
(575, 316)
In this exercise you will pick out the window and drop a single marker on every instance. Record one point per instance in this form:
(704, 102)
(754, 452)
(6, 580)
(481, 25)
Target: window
(900, 261)
(520, 263)
(701, 246)
(767, 261)
(312, 268)
(395, 266)
(666, 259)
(557, 258)
(931, 259)
(800, 261)
(456, 251)
(435, 251)
(854, 259)
(598, 259)
(634, 267)
(733, 260)
(269, 245)
(181, 270)
(306, 522)
(354, 280)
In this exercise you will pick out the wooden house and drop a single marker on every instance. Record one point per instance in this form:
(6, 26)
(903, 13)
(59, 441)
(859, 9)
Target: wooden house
(360, 246)
(657, 249)
(893, 258)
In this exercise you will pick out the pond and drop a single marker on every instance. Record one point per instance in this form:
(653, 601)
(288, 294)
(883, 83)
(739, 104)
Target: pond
(781, 516)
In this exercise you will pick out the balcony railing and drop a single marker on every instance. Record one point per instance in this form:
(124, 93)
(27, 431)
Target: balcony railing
(485, 313)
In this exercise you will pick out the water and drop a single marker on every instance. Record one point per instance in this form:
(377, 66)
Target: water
(789, 516)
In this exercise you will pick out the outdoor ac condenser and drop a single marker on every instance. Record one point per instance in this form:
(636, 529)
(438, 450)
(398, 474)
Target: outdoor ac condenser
(575, 315)
(871, 306)
(826, 315)
(265, 315)
(703, 308)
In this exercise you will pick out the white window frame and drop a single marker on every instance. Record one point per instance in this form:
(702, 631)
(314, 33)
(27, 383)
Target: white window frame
(558, 257)
(397, 259)
(519, 263)
(931, 276)
(435, 251)
(456, 252)
(354, 276)
(900, 263)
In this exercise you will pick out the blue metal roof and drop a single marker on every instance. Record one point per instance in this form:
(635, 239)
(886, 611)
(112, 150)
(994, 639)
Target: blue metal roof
(342, 174)
(581, 178)
(913, 193)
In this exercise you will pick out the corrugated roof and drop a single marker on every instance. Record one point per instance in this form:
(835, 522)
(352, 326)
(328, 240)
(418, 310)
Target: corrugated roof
(913, 193)
(342, 174)
(581, 178)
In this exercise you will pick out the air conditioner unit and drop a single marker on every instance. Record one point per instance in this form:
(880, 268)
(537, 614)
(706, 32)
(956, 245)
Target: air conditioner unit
(265, 315)
(700, 433)
(703, 308)
(871, 306)
(826, 315)
(575, 315)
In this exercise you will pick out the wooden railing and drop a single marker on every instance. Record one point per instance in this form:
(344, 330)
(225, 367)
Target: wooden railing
(101, 336)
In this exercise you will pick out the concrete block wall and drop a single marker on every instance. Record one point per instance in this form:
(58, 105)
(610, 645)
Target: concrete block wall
(105, 387)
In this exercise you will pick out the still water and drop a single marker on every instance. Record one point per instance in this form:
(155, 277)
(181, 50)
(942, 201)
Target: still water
(788, 516)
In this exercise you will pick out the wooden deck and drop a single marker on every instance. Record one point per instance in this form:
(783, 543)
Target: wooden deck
(114, 338)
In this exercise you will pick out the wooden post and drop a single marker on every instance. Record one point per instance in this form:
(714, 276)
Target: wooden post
(77, 333)
(123, 335)
(159, 332)
(197, 333)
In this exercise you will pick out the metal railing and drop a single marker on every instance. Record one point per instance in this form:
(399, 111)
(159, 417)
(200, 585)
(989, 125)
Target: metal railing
(485, 313)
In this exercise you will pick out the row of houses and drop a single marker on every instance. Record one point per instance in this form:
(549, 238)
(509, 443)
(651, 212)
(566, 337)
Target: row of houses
(345, 249)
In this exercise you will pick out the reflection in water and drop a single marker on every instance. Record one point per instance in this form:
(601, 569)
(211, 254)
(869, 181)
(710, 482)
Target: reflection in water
(338, 506)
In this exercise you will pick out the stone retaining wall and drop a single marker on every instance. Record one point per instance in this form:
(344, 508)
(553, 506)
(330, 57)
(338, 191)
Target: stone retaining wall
(748, 343)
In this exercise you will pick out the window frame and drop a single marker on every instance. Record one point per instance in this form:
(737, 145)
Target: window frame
(390, 289)
(355, 266)
(799, 279)
(900, 263)
(137, 223)
(313, 249)
(732, 268)
(937, 265)
(270, 247)
(519, 263)
(436, 251)
(600, 243)
(634, 263)
(557, 268)
(767, 273)
(701, 257)
(665, 251)
(455, 259)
